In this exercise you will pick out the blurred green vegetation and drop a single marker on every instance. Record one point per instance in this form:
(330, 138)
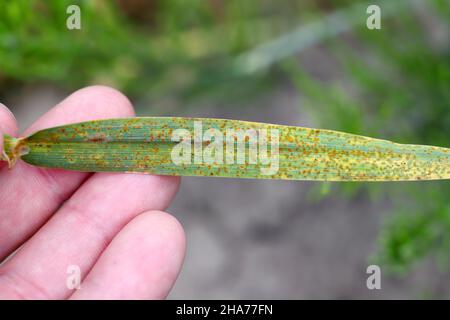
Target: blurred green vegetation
(392, 83)
(181, 50)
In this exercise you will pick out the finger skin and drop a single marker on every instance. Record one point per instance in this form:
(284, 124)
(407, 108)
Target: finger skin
(142, 262)
(80, 231)
(30, 195)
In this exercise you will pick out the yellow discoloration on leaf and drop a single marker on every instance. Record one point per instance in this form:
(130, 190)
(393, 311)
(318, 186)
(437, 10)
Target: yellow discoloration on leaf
(145, 145)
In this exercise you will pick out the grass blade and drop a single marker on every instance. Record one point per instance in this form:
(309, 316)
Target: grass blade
(225, 148)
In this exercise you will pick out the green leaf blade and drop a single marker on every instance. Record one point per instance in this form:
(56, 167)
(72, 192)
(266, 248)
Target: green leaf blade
(146, 145)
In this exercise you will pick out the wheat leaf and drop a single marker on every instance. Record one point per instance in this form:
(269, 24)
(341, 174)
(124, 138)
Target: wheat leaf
(149, 144)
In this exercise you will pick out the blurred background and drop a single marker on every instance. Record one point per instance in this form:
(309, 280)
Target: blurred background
(296, 62)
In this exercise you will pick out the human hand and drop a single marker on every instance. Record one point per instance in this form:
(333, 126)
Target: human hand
(107, 224)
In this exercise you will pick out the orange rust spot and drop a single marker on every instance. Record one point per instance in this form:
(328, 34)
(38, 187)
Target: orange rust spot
(98, 138)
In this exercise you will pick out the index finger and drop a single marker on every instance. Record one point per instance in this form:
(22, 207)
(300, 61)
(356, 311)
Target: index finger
(29, 195)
